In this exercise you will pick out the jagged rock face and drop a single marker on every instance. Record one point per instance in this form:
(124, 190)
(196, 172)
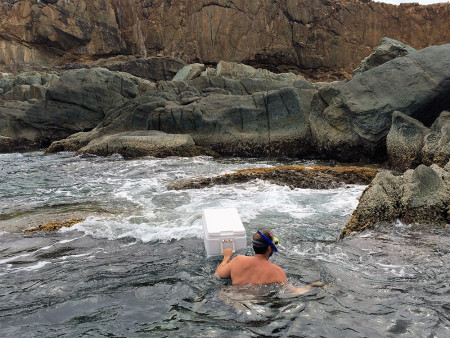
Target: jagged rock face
(419, 196)
(315, 34)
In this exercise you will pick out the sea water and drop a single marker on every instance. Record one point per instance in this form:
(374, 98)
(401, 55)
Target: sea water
(136, 265)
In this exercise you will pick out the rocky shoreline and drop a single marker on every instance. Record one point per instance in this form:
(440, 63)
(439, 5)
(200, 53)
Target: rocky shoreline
(393, 111)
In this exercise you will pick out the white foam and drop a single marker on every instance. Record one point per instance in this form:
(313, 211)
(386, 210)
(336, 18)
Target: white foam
(37, 266)
(112, 229)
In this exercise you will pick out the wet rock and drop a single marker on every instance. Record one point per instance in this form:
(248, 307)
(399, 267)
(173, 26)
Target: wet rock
(55, 225)
(143, 143)
(387, 50)
(404, 142)
(305, 177)
(420, 196)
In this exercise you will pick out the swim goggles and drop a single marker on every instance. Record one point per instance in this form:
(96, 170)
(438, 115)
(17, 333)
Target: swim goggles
(268, 241)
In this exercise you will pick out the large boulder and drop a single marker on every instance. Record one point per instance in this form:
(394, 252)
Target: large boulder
(264, 123)
(387, 50)
(143, 143)
(404, 141)
(350, 119)
(419, 196)
(437, 143)
(76, 101)
(151, 68)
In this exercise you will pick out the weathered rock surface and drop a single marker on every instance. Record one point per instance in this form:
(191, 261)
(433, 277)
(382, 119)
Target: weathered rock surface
(264, 123)
(410, 143)
(75, 101)
(352, 118)
(143, 143)
(321, 35)
(437, 143)
(305, 177)
(404, 142)
(420, 196)
(387, 50)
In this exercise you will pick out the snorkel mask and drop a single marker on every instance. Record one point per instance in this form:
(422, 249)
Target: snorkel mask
(267, 242)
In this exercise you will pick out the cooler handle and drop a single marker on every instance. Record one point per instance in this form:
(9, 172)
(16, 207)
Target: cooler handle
(227, 241)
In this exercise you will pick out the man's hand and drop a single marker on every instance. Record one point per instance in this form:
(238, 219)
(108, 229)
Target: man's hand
(227, 253)
(223, 270)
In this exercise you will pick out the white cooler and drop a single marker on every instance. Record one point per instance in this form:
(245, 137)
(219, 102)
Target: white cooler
(222, 229)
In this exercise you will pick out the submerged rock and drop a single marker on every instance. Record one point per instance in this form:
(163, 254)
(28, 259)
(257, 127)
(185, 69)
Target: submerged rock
(305, 177)
(420, 196)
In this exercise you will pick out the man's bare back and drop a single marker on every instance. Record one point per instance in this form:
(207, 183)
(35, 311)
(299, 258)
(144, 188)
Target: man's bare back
(257, 269)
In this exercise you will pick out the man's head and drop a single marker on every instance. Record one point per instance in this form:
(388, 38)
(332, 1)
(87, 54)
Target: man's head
(262, 241)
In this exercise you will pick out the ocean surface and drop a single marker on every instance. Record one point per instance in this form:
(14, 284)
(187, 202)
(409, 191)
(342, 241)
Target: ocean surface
(136, 266)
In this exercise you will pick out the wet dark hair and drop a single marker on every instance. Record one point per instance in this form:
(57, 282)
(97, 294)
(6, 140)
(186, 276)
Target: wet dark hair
(260, 246)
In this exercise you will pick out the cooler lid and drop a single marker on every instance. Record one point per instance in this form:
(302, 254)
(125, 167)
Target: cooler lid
(222, 221)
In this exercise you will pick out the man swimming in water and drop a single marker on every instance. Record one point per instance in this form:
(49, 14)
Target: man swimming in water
(257, 269)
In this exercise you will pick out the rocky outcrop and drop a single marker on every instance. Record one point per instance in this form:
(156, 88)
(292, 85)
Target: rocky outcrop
(420, 196)
(143, 143)
(404, 142)
(75, 101)
(304, 177)
(387, 50)
(240, 111)
(436, 147)
(233, 115)
(410, 143)
(352, 118)
(322, 35)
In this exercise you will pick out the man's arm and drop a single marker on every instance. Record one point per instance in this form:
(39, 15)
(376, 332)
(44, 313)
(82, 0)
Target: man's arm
(224, 268)
(298, 291)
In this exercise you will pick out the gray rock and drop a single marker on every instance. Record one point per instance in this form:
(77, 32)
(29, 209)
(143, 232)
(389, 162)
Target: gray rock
(152, 68)
(436, 147)
(189, 72)
(419, 196)
(270, 123)
(350, 119)
(404, 141)
(96, 89)
(387, 50)
(142, 143)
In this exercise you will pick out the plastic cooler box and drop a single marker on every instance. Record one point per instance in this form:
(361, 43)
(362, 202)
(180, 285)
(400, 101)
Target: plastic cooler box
(222, 229)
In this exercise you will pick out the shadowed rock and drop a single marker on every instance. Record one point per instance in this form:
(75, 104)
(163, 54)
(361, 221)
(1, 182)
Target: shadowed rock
(404, 142)
(306, 177)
